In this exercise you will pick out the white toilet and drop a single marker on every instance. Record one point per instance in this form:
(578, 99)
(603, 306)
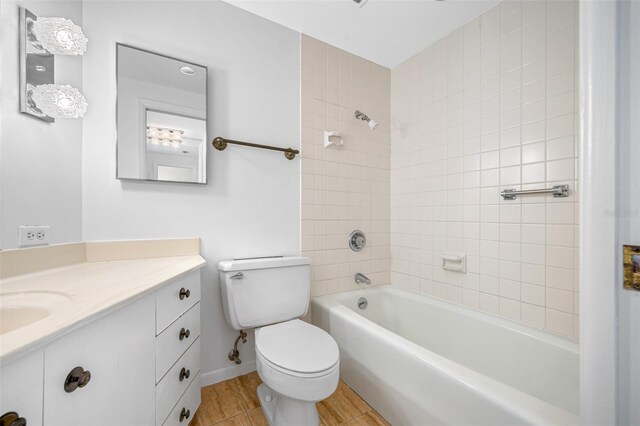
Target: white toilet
(298, 362)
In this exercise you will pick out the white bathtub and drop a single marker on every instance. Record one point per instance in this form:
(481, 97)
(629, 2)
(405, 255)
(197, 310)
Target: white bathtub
(420, 361)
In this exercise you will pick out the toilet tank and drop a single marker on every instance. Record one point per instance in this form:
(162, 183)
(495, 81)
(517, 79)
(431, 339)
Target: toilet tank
(261, 291)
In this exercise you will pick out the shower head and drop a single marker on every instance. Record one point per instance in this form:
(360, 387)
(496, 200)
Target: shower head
(373, 124)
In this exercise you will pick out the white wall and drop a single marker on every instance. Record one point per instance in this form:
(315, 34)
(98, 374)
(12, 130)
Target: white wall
(251, 205)
(492, 106)
(40, 163)
(599, 247)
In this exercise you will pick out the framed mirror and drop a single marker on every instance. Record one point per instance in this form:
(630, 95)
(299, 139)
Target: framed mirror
(161, 117)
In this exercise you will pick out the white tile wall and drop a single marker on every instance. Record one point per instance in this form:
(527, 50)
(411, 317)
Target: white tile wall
(491, 106)
(347, 188)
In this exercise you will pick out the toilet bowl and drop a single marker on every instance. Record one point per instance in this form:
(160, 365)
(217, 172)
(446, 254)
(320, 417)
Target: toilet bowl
(299, 365)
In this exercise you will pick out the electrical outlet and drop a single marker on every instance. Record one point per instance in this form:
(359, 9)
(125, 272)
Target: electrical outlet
(33, 235)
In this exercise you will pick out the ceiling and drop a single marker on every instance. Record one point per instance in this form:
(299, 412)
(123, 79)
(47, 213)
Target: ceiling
(386, 32)
(158, 69)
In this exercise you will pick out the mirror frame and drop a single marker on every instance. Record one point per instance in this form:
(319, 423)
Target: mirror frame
(206, 114)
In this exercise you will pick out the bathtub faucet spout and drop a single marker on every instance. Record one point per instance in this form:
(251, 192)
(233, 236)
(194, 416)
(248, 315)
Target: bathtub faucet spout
(362, 279)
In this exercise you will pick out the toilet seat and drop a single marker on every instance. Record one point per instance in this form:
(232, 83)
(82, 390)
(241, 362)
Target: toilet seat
(298, 360)
(297, 348)
(295, 374)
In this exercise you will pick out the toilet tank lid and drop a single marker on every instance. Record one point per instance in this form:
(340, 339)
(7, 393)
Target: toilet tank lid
(262, 263)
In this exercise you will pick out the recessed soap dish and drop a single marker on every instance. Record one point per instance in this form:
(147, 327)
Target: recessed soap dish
(333, 139)
(456, 262)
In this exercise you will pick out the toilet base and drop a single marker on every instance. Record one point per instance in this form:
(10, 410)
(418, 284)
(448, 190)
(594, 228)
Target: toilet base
(280, 410)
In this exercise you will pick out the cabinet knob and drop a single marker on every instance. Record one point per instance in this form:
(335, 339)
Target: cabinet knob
(184, 414)
(184, 333)
(11, 418)
(77, 378)
(184, 293)
(184, 374)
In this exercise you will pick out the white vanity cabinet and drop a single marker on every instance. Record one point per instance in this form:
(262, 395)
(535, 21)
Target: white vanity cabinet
(21, 387)
(117, 351)
(137, 365)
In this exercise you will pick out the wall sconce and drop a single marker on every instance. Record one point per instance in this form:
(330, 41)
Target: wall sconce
(40, 39)
(56, 100)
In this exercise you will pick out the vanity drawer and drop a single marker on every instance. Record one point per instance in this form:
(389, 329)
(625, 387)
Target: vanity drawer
(176, 339)
(187, 405)
(174, 383)
(176, 298)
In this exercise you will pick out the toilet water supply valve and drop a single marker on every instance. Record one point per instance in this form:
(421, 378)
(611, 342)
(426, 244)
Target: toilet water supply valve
(234, 354)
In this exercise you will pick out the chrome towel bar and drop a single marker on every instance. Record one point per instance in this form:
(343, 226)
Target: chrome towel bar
(558, 191)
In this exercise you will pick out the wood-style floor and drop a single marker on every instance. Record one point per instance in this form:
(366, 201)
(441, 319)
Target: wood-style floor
(235, 403)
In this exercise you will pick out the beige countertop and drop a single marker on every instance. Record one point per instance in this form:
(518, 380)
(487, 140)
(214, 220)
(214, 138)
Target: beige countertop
(97, 279)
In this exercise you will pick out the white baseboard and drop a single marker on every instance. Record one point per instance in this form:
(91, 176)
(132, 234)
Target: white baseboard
(217, 376)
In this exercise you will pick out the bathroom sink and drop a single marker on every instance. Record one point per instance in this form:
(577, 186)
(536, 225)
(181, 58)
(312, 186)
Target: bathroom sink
(19, 309)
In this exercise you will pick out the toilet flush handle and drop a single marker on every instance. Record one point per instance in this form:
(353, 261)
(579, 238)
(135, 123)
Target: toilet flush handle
(237, 276)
